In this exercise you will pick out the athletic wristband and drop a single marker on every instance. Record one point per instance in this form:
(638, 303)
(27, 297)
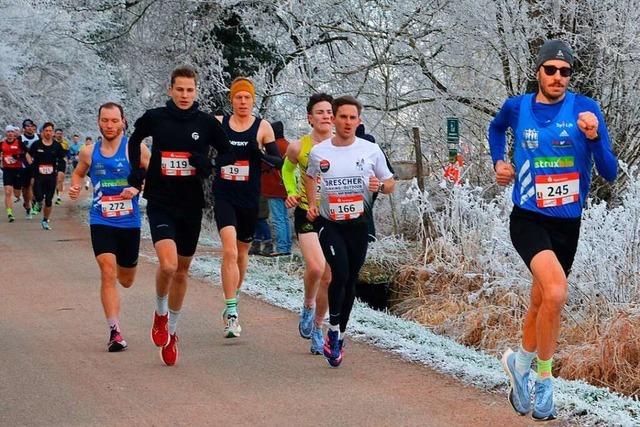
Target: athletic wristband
(289, 177)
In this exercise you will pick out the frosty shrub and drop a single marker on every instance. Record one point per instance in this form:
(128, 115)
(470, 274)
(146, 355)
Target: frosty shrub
(471, 284)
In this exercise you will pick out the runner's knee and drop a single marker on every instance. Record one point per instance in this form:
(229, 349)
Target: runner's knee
(555, 297)
(230, 254)
(168, 268)
(314, 270)
(108, 275)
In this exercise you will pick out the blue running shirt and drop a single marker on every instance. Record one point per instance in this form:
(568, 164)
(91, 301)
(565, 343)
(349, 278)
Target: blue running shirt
(109, 178)
(553, 158)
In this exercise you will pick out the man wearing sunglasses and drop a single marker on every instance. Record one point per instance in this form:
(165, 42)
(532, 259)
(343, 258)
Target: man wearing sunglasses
(557, 135)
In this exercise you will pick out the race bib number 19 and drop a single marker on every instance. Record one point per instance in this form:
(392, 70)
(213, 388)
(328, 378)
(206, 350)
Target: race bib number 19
(239, 171)
(557, 189)
(345, 207)
(176, 163)
(115, 206)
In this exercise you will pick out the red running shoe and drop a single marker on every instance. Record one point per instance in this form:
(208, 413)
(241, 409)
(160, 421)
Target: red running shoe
(169, 353)
(160, 330)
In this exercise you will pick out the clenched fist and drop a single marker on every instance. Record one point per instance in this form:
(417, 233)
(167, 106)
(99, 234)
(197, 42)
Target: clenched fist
(74, 192)
(588, 124)
(292, 201)
(505, 173)
(129, 193)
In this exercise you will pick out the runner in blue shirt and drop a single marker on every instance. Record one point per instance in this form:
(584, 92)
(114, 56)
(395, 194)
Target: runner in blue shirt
(557, 136)
(114, 216)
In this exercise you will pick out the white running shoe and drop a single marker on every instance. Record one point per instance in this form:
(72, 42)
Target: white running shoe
(232, 329)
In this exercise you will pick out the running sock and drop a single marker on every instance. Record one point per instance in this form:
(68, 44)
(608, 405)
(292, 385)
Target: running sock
(523, 360)
(113, 324)
(162, 305)
(544, 368)
(232, 306)
(309, 302)
(335, 328)
(9, 211)
(173, 321)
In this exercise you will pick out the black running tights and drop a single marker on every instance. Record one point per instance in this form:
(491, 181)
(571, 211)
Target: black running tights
(344, 245)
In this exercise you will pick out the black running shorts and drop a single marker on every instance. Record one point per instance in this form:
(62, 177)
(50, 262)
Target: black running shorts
(243, 219)
(301, 224)
(181, 227)
(44, 188)
(13, 178)
(124, 243)
(532, 233)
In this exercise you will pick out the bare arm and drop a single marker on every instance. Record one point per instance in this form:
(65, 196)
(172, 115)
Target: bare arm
(80, 172)
(293, 151)
(310, 186)
(145, 156)
(265, 134)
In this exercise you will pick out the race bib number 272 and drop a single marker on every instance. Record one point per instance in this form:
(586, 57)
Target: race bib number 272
(115, 206)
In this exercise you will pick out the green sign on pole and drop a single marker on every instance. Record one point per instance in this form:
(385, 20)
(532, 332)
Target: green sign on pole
(453, 137)
(453, 129)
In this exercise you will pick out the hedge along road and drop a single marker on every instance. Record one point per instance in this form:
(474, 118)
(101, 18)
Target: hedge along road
(54, 368)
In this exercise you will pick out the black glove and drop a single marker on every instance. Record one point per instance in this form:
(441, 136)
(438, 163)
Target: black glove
(136, 178)
(203, 165)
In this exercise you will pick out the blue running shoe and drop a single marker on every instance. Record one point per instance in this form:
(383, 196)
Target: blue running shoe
(543, 407)
(306, 322)
(332, 350)
(519, 393)
(317, 340)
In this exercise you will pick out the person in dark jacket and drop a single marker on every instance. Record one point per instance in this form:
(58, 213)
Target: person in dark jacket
(182, 137)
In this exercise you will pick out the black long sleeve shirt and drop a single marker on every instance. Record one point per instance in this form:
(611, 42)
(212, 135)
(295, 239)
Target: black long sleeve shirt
(176, 131)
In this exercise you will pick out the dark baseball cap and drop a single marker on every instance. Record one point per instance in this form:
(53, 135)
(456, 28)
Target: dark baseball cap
(27, 122)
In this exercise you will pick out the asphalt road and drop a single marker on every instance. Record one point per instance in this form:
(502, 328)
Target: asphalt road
(55, 371)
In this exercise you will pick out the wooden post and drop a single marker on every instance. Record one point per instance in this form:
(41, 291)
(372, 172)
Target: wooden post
(418, 150)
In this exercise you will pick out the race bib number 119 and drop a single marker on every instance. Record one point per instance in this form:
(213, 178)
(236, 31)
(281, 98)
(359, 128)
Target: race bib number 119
(176, 163)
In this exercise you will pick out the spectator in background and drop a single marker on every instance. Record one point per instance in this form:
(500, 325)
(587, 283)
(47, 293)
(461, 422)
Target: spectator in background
(262, 244)
(74, 150)
(273, 189)
(361, 133)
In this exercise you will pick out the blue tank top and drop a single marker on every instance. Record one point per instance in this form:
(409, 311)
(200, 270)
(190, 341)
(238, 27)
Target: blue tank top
(553, 162)
(109, 178)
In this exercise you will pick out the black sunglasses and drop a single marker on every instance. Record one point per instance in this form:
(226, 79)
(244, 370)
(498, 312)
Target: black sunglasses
(550, 70)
